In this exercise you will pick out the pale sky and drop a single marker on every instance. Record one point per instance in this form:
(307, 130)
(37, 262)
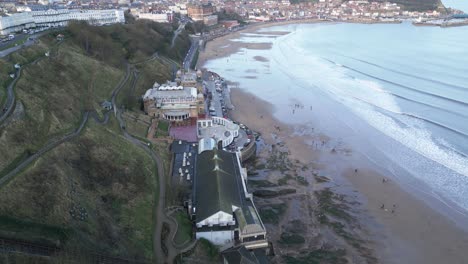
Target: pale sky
(457, 4)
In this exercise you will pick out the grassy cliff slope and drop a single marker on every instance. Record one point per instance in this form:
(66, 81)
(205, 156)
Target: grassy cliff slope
(96, 192)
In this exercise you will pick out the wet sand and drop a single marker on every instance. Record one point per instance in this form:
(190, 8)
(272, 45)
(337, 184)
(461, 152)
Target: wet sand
(223, 46)
(412, 233)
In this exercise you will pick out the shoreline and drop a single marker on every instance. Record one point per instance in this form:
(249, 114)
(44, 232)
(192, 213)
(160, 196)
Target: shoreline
(260, 25)
(413, 233)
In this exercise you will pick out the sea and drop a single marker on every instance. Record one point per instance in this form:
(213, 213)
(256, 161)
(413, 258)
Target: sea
(396, 93)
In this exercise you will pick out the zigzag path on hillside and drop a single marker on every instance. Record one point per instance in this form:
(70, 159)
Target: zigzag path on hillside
(160, 216)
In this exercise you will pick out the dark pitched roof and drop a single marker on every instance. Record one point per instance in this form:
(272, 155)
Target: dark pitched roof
(260, 255)
(217, 183)
(239, 255)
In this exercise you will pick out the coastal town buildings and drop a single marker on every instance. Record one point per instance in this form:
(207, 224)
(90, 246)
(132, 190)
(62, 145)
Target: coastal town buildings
(203, 12)
(55, 18)
(251, 11)
(198, 12)
(230, 24)
(188, 78)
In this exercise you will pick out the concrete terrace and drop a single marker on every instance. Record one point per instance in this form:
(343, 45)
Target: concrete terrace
(187, 133)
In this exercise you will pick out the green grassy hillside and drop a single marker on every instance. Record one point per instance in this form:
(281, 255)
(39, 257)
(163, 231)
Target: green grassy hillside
(96, 192)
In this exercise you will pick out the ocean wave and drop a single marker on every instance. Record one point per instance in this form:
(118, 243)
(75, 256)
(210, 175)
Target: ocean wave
(419, 140)
(413, 136)
(400, 85)
(420, 102)
(461, 88)
(418, 118)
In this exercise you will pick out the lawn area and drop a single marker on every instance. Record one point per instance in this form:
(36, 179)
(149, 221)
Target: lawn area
(137, 123)
(162, 129)
(163, 125)
(184, 231)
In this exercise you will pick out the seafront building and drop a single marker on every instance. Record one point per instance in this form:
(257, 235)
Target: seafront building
(16, 22)
(221, 206)
(188, 78)
(221, 130)
(203, 12)
(173, 102)
(176, 101)
(219, 203)
(198, 12)
(165, 17)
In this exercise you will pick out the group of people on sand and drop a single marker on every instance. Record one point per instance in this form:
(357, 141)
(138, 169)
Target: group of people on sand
(393, 208)
(299, 106)
(384, 180)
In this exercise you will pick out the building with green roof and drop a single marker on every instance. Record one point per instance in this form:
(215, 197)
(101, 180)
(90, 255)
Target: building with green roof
(222, 208)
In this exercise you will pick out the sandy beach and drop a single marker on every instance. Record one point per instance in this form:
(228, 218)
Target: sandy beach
(393, 226)
(223, 46)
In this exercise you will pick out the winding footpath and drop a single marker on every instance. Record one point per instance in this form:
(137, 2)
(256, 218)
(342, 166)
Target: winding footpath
(8, 107)
(43, 150)
(160, 216)
(177, 32)
(10, 101)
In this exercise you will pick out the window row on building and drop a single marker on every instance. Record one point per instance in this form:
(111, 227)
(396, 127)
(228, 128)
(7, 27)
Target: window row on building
(55, 18)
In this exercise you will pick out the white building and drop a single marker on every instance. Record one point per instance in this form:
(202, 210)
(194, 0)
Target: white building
(172, 102)
(161, 18)
(54, 18)
(218, 128)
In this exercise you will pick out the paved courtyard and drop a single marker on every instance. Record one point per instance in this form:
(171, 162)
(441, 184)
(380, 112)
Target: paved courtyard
(187, 133)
